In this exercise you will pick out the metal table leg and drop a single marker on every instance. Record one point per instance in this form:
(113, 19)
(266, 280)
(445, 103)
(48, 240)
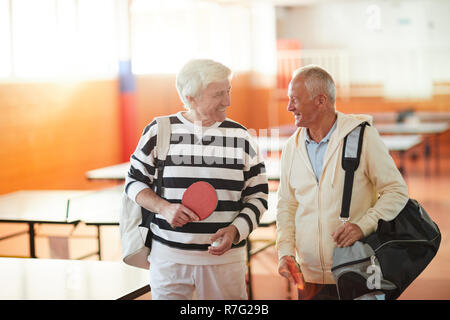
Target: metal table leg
(427, 155)
(32, 239)
(437, 154)
(99, 243)
(249, 270)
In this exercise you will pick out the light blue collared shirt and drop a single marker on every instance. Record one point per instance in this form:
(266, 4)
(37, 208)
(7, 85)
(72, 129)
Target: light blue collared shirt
(316, 151)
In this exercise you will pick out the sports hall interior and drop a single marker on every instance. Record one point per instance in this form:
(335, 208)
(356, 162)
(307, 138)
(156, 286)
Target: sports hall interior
(80, 80)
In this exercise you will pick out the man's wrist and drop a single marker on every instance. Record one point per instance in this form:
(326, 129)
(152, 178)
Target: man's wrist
(236, 233)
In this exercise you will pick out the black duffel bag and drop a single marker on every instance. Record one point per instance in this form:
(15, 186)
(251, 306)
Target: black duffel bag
(389, 259)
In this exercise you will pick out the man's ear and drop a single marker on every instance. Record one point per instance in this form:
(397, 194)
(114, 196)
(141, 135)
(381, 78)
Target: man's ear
(320, 100)
(191, 100)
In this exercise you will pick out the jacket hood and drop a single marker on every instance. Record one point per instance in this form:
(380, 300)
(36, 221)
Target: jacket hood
(347, 122)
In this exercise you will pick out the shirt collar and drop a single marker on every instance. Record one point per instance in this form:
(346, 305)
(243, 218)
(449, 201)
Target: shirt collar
(325, 139)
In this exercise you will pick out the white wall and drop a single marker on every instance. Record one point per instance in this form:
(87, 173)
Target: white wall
(403, 44)
(346, 24)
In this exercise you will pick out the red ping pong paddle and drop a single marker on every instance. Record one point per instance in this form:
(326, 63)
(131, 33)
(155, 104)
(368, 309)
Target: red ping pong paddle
(200, 197)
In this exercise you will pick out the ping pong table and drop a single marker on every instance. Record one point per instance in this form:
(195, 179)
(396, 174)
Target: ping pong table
(401, 144)
(426, 129)
(93, 207)
(389, 117)
(412, 128)
(36, 207)
(54, 279)
(114, 172)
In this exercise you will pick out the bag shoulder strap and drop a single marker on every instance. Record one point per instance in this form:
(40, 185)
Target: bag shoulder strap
(351, 154)
(162, 137)
(162, 148)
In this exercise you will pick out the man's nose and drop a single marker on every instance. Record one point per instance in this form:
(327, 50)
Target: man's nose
(226, 100)
(290, 107)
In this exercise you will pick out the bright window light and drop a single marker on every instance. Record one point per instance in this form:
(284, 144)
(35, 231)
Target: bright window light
(5, 39)
(59, 38)
(87, 38)
(97, 37)
(34, 36)
(166, 34)
(67, 38)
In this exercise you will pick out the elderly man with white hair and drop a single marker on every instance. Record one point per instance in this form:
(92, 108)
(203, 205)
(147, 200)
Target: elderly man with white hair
(204, 146)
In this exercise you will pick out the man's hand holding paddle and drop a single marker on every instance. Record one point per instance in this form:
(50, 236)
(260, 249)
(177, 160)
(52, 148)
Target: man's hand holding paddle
(178, 215)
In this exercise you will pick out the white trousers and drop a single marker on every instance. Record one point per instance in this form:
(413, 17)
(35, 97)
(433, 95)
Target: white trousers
(173, 281)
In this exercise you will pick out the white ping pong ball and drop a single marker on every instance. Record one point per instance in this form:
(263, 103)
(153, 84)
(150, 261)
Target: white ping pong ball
(216, 243)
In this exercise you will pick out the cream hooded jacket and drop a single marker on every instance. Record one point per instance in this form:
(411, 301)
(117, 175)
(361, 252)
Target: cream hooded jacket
(308, 211)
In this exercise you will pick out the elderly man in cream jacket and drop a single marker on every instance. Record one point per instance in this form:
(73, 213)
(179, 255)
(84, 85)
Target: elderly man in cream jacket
(312, 183)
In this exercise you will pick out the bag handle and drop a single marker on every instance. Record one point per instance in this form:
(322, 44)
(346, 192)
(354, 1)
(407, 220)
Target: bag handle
(351, 156)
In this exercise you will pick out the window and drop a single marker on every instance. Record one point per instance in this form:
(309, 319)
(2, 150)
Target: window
(87, 38)
(166, 34)
(5, 39)
(33, 34)
(50, 38)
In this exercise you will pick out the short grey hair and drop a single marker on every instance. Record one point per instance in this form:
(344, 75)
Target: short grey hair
(197, 74)
(317, 81)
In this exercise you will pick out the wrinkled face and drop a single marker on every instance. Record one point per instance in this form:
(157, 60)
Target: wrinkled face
(211, 105)
(301, 104)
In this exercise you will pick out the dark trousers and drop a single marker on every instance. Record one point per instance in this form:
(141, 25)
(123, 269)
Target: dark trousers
(315, 291)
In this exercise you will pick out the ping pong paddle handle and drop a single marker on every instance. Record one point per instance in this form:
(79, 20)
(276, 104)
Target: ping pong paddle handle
(296, 274)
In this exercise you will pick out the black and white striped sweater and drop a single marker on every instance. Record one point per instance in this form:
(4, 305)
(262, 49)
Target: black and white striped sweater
(224, 155)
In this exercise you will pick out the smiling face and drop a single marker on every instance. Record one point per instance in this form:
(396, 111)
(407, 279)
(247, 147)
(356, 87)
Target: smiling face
(301, 104)
(211, 105)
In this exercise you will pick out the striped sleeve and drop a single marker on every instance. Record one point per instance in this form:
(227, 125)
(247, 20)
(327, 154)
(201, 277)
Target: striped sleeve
(255, 192)
(142, 165)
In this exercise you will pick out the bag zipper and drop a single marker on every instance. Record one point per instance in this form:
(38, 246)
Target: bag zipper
(392, 241)
(349, 263)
